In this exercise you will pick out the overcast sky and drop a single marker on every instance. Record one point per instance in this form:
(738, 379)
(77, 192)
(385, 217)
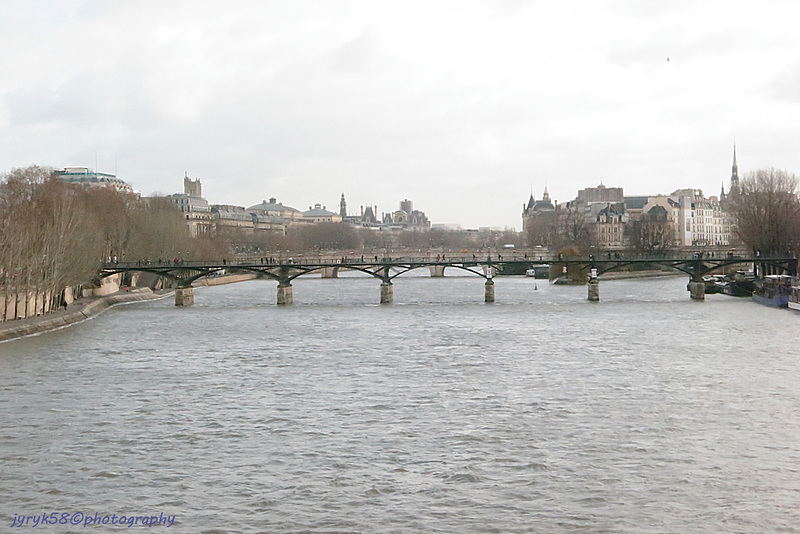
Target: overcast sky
(462, 106)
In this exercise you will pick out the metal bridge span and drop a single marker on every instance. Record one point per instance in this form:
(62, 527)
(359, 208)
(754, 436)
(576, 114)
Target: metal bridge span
(184, 273)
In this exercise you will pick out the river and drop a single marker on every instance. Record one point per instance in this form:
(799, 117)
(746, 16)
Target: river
(543, 412)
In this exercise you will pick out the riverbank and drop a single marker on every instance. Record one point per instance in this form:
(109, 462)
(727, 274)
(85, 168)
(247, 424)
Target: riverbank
(80, 310)
(84, 308)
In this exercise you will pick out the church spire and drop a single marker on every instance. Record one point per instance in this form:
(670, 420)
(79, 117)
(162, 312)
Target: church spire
(734, 170)
(545, 195)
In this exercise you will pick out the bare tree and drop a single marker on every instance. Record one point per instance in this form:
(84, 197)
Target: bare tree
(327, 235)
(652, 234)
(766, 209)
(543, 229)
(158, 232)
(573, 232)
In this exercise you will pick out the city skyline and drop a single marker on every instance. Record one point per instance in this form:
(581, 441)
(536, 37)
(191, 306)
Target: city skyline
(464, 107)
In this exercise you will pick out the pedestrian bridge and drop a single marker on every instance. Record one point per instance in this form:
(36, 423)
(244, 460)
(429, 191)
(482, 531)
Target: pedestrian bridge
(581, 269)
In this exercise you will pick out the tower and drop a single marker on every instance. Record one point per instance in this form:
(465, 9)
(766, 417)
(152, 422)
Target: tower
(191, 187)
(343, 207)
(734, 171)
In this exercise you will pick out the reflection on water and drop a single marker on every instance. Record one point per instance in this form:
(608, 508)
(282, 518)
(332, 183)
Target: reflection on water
(645, 412)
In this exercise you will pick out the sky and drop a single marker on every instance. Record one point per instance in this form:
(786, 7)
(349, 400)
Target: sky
(463, 106)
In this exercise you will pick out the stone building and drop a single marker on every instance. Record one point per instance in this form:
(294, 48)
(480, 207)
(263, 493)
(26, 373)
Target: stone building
(230, 217)
(603, 212)
(319, 214)
(194, 207)
(675, 211)
(708, 223)
(539, 220)
(407, 217)
(601, 193)
(276, 209)
(607, 224)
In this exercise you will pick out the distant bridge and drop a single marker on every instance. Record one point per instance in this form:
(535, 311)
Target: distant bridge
(284, 270)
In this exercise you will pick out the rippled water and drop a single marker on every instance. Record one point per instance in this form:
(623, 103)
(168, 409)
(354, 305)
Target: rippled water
(543, 412)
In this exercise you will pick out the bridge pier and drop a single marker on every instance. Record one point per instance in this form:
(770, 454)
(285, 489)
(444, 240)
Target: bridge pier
(330, 272)
(284, 293)
(437, 271)
(387, 293)
(697, 290)
(184, 296)
(594, 290)
(489, 292)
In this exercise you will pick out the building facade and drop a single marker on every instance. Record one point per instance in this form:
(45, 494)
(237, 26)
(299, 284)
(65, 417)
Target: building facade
(193, 207)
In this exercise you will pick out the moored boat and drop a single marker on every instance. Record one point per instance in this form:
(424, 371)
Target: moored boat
(741, 285)
(773, 290)
(794, 297)
(539, 271)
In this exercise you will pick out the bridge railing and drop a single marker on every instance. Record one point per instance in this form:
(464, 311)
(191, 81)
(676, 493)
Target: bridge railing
(424, 259)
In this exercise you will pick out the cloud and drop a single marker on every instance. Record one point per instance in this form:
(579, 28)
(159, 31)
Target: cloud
(460, 105)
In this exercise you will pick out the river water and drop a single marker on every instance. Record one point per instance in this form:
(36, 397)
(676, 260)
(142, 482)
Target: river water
(645, 412)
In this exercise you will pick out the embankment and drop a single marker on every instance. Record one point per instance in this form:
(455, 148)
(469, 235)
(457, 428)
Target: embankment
(79, 311)
(85, 308)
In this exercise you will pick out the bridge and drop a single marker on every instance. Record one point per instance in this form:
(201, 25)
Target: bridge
(386, 268)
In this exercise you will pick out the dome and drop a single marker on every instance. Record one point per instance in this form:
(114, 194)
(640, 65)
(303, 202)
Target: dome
(543, 205)
(271, 205)
(319, 211)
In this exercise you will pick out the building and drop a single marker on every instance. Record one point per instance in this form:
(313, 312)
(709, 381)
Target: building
(607, 224)
(707, 224)
(600, 193)
(407, 217)
(319, 214)
(194, 207)
(276, 209)
(600, 213)
(229, 217)
(539, 220)
(674, 210)
(87, 178)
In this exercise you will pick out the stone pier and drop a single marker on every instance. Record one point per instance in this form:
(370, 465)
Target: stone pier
(184, 296)
(330, 272)
(284, 294)
(387, 293)
(489, 294)
(697, 290)
(594, 290)
(437, 271)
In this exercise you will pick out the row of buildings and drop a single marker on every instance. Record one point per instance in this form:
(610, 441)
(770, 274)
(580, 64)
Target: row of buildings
(605, 212)
(270, 215)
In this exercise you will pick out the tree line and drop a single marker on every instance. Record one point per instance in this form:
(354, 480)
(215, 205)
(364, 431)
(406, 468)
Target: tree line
(55, 235)
(766, 208)
(344, 236)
